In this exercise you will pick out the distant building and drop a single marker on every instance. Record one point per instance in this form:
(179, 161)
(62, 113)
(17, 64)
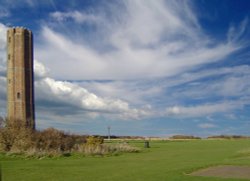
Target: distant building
(20, 87)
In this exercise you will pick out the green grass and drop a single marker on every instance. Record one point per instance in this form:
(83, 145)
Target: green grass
(164, 161)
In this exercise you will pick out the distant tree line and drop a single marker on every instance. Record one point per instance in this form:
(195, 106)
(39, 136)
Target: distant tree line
(228, 137)
(184, 137)
(123, 137)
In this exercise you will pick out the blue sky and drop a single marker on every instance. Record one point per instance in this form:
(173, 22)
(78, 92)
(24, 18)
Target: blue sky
(143, 67)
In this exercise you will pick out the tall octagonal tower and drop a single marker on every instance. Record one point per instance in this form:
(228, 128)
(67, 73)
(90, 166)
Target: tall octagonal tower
(20, 86)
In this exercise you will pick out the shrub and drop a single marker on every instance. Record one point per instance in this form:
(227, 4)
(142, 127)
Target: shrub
(17, 139)
(52, 139)
(49, 139)
(94, 140)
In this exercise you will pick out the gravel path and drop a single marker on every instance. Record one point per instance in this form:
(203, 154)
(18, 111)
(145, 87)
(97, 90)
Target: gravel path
(227, 171)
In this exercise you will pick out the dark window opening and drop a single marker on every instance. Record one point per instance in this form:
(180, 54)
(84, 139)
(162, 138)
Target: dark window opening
(9, 39)
(8, 56)
(9, 81)
(18, 95)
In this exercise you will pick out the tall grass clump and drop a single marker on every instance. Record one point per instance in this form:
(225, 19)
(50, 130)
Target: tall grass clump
(95, 146)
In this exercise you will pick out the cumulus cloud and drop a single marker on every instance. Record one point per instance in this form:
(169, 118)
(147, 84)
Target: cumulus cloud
(75, 97)
(40, 70)
(3, 30)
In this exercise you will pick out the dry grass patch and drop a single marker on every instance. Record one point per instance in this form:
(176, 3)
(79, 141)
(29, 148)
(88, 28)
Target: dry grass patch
(227, 171)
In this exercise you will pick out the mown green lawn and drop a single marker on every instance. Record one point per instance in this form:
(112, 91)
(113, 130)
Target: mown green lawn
(164, 161)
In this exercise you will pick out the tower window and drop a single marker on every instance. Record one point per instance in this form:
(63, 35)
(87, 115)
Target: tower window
(9, 81)
(18, 95)
(8, 56)
(9, 39)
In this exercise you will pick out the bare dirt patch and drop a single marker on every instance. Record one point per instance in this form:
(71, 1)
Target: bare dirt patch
(225, 171)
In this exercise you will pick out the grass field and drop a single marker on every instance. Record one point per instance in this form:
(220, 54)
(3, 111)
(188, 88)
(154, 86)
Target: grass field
(163, 161)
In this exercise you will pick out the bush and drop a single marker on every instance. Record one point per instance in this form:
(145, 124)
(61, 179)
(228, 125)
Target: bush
(15, 138)
(94, 140)
(49, 139)
(18, 140)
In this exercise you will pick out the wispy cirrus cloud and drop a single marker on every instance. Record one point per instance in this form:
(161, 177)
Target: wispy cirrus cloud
(206, 125)
(130, 48)
(76, 16)
(204, 110)
(4, 12)
(235, 33)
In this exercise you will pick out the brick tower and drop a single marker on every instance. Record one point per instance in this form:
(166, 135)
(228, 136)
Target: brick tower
(20, 87)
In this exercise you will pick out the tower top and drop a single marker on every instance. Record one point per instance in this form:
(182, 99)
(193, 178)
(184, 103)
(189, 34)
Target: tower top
(19, 29)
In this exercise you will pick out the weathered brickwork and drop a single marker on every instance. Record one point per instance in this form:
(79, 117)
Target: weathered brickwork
(20, 87)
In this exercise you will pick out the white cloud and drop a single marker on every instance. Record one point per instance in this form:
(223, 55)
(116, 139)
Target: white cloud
(206, 125)
(8, 4)
(3, 29)
(204, 110)
(2, 85)
(40, 70)
(209, 87)
(134, 92)
(78, 17)
(69, 55)
(4, 12)
(2, 96)
(147, 39)
(235, 33)
(78, 98)
(218, 84)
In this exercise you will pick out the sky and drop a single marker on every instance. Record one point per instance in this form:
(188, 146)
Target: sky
(142, 67)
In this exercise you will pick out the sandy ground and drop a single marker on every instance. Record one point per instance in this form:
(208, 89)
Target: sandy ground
(227, 171)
